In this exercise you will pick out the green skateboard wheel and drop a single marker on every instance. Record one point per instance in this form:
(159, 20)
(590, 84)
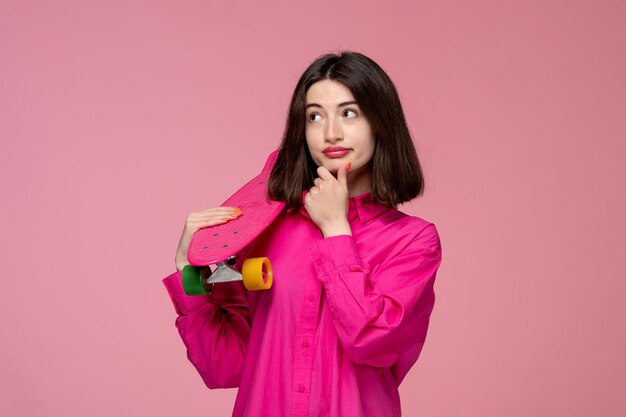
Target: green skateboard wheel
(192, 281)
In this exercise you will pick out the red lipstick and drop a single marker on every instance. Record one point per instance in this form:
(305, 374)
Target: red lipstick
(335, 151)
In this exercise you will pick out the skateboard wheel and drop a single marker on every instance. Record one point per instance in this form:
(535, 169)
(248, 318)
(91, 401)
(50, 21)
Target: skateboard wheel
(192, 280)
(257, 274)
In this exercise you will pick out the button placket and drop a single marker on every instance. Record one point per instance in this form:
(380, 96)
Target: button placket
(303, 348)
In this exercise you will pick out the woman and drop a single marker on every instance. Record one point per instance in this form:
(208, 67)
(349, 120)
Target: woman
(347, 315)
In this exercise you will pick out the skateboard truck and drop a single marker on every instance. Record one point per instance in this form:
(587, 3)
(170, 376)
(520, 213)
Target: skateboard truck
(217, 244)
(256, 274)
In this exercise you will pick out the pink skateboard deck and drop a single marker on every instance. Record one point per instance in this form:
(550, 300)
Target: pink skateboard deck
(216, 244)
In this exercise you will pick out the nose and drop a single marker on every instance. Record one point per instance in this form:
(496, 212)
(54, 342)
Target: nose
(332, 131)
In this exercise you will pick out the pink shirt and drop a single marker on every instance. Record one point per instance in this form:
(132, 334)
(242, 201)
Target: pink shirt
(343, 323)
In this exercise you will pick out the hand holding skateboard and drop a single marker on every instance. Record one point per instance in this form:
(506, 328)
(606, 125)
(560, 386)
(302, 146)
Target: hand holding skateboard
(217, 245)
(198, 220)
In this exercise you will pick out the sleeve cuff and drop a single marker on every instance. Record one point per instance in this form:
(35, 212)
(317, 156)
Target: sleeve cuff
(334, 253)
(183, 303)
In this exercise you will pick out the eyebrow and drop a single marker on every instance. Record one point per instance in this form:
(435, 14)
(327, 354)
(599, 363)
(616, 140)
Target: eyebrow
(345, 103)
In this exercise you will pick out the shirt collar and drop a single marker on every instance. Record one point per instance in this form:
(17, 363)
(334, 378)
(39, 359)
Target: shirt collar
(365, 205)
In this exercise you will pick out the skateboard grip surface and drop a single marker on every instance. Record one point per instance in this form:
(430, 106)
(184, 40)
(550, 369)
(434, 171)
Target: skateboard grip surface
(215, 244)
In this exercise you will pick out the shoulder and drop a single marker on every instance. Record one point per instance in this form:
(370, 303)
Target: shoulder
(414, 231)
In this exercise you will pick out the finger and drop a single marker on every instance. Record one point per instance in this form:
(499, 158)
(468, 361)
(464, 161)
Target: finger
(216, 211)
(218, 218)
(215, 222)
(307, 200)
(216, 214)
(231, 209)
(342, 175)
(196, 225)
(318, 181)
(210, 216)
(325, 174)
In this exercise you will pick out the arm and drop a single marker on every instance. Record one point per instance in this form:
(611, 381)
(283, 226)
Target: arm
(215, 329)
(380, 315)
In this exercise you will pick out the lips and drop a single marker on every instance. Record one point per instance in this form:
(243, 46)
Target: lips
(335, 151)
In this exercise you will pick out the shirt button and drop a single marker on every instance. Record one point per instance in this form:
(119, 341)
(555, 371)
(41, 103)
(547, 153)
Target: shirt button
(311, 298)
(305, 345)
(300, 388)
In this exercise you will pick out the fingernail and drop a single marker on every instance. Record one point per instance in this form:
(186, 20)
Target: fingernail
(348, 165)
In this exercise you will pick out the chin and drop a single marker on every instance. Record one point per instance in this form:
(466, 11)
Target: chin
(333, 166)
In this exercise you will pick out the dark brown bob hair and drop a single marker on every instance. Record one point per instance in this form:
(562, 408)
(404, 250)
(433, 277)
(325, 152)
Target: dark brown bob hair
(395, 170)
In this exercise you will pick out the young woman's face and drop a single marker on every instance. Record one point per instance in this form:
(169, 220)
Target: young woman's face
(336, 131)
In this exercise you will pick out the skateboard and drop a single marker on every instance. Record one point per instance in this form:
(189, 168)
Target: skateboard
(218, 245)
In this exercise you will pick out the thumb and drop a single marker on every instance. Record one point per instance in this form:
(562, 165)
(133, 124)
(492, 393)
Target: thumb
(342, 175)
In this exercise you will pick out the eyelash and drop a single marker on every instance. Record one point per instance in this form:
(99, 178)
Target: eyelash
(347, 110)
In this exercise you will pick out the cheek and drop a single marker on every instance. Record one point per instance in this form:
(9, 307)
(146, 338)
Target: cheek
(368, 143)
(311, 147)
(313, 139)
(372, 146)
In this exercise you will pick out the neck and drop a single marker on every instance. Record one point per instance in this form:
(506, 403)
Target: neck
(359, 182)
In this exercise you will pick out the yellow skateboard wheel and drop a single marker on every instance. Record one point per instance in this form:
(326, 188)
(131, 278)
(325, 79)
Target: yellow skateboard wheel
(257, 274)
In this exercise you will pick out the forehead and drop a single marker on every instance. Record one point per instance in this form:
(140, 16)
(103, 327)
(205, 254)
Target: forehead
(328, 92)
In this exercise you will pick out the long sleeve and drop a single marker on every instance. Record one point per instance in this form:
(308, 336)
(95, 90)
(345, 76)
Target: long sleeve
(381, 316)
(215, 329)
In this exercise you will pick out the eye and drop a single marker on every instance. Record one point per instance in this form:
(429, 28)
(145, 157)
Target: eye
(350, 111)
(311, 117)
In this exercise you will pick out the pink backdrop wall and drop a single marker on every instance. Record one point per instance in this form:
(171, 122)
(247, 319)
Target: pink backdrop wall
(118, 118)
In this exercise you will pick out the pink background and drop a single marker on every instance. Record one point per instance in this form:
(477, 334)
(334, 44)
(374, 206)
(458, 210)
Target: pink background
(117, 118)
